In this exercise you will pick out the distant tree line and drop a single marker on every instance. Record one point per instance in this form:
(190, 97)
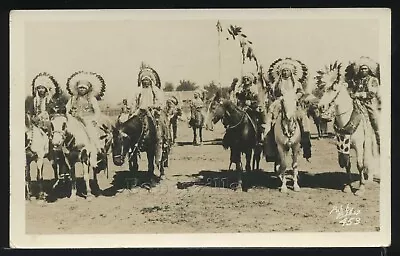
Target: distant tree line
(187, 85)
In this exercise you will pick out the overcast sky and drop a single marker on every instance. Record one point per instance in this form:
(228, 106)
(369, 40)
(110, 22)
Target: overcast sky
(186, 49)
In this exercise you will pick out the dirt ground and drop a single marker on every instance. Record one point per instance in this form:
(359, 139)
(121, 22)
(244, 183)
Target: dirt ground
(211, 205)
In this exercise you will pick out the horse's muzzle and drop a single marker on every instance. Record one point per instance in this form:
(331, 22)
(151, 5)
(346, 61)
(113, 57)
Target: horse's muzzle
(118, 160)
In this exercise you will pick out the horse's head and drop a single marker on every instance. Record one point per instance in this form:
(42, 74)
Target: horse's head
(214, 112)
(120, 144)
(58, 130)
(331, 82)
(288, 109)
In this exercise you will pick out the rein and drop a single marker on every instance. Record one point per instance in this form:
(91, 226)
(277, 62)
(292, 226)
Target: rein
(285, 118)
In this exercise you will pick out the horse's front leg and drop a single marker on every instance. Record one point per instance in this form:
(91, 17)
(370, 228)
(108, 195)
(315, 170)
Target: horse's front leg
(194, 136)
(27, 180)
(73, 182)
(86, 176)
(201, 135)
(295, 154)
(150, 167)
(248, 160)
(39, 177)
(282, 168)
(361, 169)
(133, 169)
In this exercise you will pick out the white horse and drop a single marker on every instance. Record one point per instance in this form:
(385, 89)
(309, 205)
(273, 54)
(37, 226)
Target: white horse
(287, 138)
(352, 127)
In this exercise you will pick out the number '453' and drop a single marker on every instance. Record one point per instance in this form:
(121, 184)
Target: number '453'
(350, 221)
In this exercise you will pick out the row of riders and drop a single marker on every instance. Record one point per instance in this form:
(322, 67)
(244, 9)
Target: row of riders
(270, 119)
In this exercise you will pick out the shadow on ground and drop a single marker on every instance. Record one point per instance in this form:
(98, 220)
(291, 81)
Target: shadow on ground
(262, 179)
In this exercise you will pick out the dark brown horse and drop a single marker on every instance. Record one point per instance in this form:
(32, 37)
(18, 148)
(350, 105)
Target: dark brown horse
(240, 136)
(197, 123)
(138, 134)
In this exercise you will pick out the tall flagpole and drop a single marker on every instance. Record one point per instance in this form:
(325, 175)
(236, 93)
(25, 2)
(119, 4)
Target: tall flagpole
(219, 29)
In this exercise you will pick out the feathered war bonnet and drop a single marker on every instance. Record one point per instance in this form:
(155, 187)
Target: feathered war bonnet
(147, 72)
(331, 74)
(90, 80)
(173, 100)
(353, 69)
(298, 69)
(249, 71)
(47, 81)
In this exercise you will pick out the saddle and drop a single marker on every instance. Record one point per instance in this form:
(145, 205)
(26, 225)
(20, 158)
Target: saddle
(354, 121)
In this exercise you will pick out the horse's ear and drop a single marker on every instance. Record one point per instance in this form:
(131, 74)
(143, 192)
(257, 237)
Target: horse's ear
(217, 96)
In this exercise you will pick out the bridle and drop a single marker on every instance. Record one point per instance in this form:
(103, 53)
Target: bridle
(285, 118)
(331, 103)
(124, 135)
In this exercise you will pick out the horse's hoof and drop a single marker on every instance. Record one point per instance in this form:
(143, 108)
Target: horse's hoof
(296, 188)
(162, 177)
(283, 190)
(89, 197)
(359, 192)
(347, 189)
(73, 198)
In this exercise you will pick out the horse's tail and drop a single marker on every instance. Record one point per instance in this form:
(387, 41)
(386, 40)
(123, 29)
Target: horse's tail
(371, 152)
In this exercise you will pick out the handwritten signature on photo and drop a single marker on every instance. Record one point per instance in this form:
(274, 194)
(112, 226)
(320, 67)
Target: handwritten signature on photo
(347, 216)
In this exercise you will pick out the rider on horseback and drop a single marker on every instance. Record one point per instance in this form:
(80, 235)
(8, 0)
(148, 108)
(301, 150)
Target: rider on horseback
(173, 112)
(150, 100)
(286, 76)
(248, 99)
(364, 87)
(196, 105)
(44, 86)
(83, 111)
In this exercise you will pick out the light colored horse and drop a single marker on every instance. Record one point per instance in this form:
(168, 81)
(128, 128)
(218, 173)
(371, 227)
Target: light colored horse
(71, 148)
(361, 136)
(36, 150)
(287, 137)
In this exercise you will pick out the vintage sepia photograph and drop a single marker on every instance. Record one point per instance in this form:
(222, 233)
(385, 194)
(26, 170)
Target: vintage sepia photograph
(200, 128)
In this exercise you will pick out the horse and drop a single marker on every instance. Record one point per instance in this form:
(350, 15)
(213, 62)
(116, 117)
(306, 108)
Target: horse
(241, 132)
(287, 137)
(36, 150)
(69, 150)
(138, 134)
(320, 121)
(197, 123)
(173, 122)
(352, 127)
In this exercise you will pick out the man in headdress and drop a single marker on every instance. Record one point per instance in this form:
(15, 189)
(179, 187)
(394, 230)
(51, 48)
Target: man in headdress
(83, 113)
(248, 98)
(285, 82)
(366, 89)
(150, 99)
(44, 87)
